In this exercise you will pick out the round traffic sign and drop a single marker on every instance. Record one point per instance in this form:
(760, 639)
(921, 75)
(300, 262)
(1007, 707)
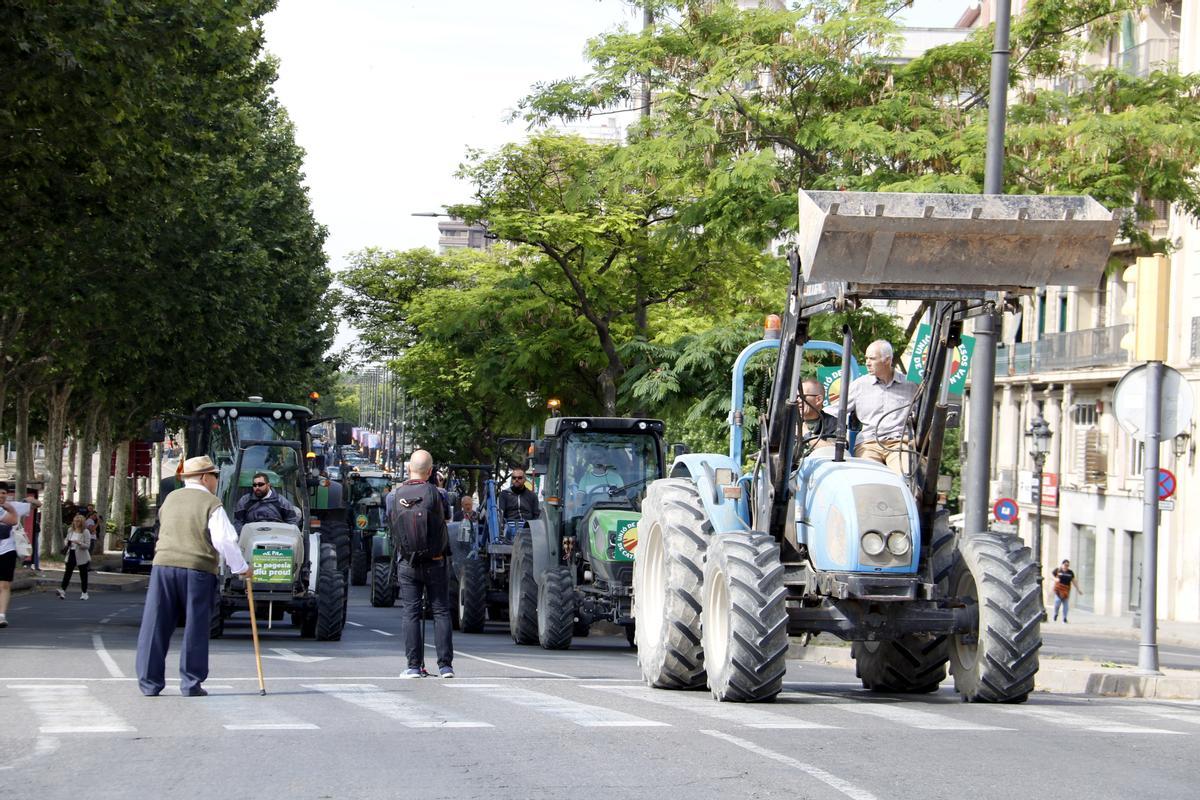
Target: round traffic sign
(1005, 509)
(1166, 483)
(1129, 403)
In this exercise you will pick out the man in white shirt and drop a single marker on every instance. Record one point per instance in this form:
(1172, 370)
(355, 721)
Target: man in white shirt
(10, 521)
(881, 400)
(195, 534)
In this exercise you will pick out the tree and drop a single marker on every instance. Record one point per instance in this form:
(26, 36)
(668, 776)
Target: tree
(770, 101)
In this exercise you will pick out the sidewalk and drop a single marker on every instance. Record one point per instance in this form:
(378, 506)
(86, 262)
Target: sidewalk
(1083, 623)
(103, 578)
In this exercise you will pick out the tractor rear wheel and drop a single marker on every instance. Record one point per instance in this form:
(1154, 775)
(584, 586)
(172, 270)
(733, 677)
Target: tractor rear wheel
(336, 532)
(997, 662)
(359, 558)
(522, 592)
(915, 663)
(472, 595)
(331, 597)
(383, 584)
(668, 575)
(556, 609)
(744, 617)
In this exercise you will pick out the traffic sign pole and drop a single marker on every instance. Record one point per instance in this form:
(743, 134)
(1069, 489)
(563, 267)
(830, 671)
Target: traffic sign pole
(1148, 647)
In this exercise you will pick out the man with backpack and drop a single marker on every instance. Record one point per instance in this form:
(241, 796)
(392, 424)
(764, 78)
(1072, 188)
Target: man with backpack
(417, 521)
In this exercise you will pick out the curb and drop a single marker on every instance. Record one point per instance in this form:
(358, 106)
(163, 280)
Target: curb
(1075, 677)
(38, 583)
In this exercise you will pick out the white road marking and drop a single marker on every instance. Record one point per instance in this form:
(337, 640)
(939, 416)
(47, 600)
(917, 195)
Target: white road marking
(355, 624)
(913, 718)
(283, 654)
(381, 633)
(272, 726)
(581, 714)
(42, 746)
(1067, 720)
(251, 713)
(829, 779)
(750, 716)
(70, 709)
(510, 665)
(1166, 712)
(109, 663)
(394, 705)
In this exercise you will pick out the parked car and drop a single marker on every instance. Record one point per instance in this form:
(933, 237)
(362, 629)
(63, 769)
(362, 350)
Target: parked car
(139, 550)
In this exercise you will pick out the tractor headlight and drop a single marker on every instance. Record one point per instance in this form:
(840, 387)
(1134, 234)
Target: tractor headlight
(898, 543)
(872, 543)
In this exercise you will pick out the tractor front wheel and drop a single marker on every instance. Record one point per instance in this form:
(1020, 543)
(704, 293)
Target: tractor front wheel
(522, 592)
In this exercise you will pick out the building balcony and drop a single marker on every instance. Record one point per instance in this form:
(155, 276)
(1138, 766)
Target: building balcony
(1151, 55)
(1054, 352)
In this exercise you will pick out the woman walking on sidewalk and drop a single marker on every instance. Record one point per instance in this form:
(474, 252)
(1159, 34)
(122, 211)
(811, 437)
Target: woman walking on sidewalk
(1064, 580)
(79, 554)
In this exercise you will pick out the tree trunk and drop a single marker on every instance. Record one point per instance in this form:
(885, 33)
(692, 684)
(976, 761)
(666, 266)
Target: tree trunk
(86, 452)
(52, 529)
(72, 474)
(608, 387)
(23, 444)
(3, 441)
(103, 485)
(120, 495)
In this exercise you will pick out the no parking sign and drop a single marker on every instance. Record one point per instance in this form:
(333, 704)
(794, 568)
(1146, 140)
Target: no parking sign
(1005, 510)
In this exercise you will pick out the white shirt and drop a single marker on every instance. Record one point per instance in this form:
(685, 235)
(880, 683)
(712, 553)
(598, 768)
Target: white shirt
(220, 530)
(9, 544)
(882, 407)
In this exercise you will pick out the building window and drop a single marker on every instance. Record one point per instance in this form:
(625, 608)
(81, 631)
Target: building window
(1062, 313)
(1137, 457)
(1083, 414)
(1041, 313)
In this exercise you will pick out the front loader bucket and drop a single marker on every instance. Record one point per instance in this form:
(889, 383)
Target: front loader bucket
(964, 241)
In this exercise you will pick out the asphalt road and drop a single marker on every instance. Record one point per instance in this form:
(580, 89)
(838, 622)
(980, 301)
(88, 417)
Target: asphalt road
(519, 722)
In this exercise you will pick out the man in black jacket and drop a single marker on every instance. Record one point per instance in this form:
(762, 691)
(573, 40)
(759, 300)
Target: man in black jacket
(518, 503)
(263, 504)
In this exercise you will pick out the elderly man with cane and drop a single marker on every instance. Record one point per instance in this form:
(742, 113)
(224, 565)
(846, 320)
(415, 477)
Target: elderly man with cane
(195, 529)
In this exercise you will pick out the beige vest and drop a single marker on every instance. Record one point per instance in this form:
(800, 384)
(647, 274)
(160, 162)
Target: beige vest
(183, 538)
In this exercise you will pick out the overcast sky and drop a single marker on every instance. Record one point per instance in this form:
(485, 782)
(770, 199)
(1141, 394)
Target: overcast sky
(387, 95)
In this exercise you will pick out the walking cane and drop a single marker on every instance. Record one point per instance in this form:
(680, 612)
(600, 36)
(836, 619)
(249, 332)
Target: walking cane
(262, 689)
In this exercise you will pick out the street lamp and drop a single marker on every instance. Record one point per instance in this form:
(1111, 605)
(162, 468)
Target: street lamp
(1039, 433)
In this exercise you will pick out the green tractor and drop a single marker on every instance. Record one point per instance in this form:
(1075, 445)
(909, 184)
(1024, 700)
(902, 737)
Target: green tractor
(300, 568)
(573, 566)
(368, 488)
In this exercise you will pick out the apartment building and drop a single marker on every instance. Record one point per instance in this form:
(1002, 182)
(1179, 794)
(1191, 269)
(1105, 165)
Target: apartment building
(1061, 355)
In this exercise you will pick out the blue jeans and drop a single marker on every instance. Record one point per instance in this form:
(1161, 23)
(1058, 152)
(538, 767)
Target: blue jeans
(432, 577)
(1063, 603)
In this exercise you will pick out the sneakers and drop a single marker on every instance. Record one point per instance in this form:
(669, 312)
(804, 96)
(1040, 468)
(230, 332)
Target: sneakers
(62, 595)
(3, 621)
(446, 672)
(83, 596)
(411, 672)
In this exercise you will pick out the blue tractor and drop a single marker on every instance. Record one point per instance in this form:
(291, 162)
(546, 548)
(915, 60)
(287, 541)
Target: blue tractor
(737, 555)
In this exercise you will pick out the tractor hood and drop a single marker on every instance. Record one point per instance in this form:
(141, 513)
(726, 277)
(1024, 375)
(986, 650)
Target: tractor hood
(612, 534)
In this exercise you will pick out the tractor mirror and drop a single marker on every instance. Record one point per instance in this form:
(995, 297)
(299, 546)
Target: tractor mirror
(678, 449)
(344, 433)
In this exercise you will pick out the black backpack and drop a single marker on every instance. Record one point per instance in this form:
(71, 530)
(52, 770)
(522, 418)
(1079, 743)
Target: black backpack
(417, 522)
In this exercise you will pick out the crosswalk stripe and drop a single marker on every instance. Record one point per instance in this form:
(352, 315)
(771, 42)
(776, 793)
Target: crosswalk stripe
(1166, 712)
(911, 717)
(582, 714)
(1068, 720)
(246, 712)
(749, 716)
(70, 709)
(394, 705)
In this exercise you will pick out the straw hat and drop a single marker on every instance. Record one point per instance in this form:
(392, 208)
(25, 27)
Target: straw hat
(197, 466)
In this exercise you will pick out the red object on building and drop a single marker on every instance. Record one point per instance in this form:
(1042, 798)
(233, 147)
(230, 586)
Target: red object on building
(140, 454)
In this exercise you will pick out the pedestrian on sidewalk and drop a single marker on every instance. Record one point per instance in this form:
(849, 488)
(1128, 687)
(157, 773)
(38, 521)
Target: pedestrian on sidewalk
(10, 517)
(79, 554)
(196, 533)
(418, 527)
(1064, 579)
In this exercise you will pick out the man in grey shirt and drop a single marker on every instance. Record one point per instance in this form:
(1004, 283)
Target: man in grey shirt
(881, 399)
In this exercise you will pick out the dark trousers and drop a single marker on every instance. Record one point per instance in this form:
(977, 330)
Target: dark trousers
(175, 590)
(432, 577)
(70, 567)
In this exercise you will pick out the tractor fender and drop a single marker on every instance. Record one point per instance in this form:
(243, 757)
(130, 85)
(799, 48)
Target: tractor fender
(378, 549)
(712, 473)
(545, 551)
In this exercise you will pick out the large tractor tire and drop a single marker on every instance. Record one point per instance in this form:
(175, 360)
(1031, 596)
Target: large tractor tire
(331, 596)
(472, 595)
(383, 584)
(556, 609)
(915, 663)
(360, 558)
(998, 662)
(336, 532)
(668, 575)
(522, 592)
(744, 618)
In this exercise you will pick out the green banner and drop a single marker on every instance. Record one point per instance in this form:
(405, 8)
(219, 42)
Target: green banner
(831, 381)
(273, 566)
(960, 367)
